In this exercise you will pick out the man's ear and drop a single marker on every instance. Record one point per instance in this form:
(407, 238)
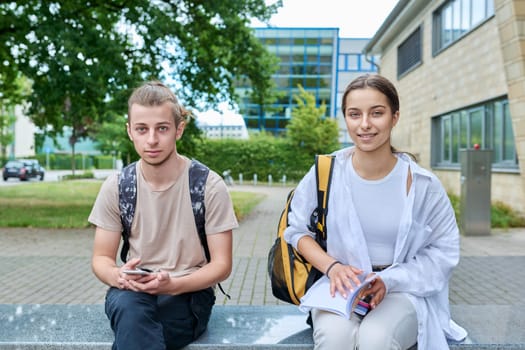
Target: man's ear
(128, 129)
(180, 130)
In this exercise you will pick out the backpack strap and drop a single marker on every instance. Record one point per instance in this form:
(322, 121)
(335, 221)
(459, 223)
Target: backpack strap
(198, 176)
(324, 165)
(127, 193)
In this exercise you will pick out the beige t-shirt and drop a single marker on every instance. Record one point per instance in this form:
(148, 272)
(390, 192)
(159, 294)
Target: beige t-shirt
(163, 232)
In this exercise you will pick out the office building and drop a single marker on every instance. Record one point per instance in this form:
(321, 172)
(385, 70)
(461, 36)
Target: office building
(314, 58)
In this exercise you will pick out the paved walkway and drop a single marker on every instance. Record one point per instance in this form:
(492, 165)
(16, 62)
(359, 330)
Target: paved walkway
(53, 266)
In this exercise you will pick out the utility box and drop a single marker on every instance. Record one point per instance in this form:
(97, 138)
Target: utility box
(475, 200)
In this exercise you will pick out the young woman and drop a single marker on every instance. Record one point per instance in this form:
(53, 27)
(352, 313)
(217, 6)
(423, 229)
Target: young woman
(387, 216)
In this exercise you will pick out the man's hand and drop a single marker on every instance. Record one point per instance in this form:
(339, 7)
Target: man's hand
(125, 279)
(154, 283)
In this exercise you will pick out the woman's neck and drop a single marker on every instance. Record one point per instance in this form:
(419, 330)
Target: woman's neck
(373, 165)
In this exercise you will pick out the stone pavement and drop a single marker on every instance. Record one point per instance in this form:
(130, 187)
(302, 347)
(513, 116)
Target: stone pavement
(53, 266)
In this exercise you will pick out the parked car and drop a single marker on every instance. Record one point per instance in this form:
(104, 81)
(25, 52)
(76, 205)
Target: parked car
(36, 169)
(23, 169)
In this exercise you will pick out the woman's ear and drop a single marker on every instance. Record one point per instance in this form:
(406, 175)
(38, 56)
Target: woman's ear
(395, 118)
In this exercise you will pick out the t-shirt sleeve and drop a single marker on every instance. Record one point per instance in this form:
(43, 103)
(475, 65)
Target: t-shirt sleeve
(105, 212)
(220, 215)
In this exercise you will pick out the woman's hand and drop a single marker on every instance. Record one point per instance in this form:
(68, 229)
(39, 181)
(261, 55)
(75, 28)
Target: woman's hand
(377, 290)
(343, 278)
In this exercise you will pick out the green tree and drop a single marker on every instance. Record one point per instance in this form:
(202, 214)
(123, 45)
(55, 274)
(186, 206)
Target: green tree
(309, 130)
(191, 139)
(112, 138)
(84, 58)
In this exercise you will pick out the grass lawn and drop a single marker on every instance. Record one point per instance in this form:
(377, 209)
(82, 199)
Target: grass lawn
(67, 204)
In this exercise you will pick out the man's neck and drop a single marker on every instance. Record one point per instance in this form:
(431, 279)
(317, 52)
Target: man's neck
(162, 176)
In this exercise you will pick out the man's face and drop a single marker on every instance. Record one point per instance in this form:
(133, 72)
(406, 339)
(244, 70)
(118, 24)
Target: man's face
(153, 132)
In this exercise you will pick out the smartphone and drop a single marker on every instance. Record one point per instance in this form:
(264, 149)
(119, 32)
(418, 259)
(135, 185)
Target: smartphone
(138, 271)
(363, 307)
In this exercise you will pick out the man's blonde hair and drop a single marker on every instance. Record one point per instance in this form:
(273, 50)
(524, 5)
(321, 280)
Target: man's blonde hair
(155, 93)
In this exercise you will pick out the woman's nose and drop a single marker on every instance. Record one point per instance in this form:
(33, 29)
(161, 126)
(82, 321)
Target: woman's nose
(365, 122)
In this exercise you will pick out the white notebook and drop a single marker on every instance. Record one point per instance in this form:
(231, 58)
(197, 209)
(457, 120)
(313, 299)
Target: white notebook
(318, 297)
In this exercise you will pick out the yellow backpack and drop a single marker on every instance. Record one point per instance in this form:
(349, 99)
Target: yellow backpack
(290, 274)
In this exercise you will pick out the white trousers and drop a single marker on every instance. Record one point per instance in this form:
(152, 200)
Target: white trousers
(391, 325)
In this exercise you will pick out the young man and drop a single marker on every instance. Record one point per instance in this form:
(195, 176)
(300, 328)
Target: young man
(170, 307)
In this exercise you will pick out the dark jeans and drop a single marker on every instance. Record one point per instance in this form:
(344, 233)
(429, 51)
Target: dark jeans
(144, 321)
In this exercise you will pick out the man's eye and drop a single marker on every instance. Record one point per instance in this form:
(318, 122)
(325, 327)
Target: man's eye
(140, 130)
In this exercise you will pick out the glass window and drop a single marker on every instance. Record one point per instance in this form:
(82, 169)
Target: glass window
(447, 137)
(509, 150)
(456, 20)
(409, 53)
(489, 125)
(457, 17)
(325, 59)
(311, 82)
(353, 62)
(478, 11)
(465, 16)
(446, 20)
(312, 58)
(476, 127)
(456, 139)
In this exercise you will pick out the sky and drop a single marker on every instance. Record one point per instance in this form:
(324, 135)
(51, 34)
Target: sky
(354, 18)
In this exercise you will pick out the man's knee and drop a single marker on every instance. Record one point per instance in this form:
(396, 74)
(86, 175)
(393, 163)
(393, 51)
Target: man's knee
(128, 306)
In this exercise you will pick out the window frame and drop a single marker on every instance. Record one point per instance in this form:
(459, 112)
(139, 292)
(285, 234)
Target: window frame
(454, 131)
(410, 52)
(455, 13)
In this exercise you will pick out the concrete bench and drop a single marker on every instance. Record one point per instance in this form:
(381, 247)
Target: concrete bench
(80, 327)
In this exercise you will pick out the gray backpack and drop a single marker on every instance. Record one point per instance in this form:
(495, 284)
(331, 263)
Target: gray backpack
(127, 193)
(127, 190)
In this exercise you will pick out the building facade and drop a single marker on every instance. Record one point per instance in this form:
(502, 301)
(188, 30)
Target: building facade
(314, 58)
(23, 130)
(458, 66)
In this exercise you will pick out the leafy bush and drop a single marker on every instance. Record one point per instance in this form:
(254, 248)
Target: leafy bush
(84, 175)
(501, 215)
(504, 216)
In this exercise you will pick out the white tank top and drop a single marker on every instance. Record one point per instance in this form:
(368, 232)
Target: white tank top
(379, 205)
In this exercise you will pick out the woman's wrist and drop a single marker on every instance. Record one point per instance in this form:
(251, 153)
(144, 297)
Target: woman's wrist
(331, 266)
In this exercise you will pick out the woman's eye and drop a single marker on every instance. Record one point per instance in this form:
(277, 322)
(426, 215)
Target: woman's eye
(353, 115)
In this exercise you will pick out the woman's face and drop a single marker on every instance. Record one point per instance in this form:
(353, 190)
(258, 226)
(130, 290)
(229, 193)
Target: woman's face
(369, 119)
